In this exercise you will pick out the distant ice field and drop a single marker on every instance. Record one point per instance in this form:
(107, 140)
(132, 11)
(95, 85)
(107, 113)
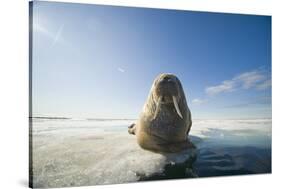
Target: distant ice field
(69, 152)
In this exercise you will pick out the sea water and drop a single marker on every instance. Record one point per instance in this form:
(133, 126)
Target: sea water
(73, 152)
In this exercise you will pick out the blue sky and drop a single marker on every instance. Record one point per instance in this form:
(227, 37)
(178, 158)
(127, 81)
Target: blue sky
(100, 61)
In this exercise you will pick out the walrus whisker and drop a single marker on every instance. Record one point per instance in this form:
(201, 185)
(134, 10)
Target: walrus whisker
(157, 107)
(177, 106)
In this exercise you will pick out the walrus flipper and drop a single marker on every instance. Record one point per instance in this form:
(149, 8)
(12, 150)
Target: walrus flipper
(132, 129)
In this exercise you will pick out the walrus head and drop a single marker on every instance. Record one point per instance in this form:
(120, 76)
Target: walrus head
(167, 90)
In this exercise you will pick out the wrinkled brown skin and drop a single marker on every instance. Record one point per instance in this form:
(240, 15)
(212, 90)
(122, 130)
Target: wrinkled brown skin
(167, 132)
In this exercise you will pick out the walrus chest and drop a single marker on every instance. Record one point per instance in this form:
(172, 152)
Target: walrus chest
(167, 125)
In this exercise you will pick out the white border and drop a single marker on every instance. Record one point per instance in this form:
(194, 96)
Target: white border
(14, 91)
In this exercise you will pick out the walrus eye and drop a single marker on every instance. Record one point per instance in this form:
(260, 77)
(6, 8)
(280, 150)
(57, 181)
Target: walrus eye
(167, 78)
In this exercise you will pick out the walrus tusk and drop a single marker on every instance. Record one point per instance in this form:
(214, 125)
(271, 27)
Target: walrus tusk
(177, 106)
(157, 107)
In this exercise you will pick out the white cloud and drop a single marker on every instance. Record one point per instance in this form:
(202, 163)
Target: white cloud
(198, 101)
(264, 85)
(254, 79)
(121, 70)
(250, 79)
(226, 86)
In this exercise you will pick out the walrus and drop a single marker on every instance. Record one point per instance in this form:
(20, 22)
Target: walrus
(165, 120)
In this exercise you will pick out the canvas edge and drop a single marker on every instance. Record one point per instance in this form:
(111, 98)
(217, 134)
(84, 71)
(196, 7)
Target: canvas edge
(30, 41)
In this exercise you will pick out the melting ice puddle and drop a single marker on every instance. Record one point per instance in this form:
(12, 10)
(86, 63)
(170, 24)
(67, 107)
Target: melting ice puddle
(81, 152)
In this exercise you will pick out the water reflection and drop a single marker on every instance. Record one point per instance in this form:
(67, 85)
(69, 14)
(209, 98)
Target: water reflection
(222, 152)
